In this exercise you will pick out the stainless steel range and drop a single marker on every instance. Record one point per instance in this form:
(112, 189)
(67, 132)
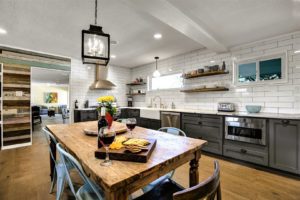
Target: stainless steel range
(251, 130)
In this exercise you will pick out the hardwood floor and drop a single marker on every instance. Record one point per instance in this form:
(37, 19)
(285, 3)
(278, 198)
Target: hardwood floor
(24, 174)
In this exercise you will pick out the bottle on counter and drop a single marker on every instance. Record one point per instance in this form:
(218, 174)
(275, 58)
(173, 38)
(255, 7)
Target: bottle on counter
(101, 123)
(223, 66)
(76, 104)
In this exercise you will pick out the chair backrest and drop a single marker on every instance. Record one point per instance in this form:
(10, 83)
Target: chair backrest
(172, 130)
(35, 110)
(64, 112)
(209, 189)
(65, 158)
(49, 136)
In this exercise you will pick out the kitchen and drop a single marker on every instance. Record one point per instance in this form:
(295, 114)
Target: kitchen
(236, 86)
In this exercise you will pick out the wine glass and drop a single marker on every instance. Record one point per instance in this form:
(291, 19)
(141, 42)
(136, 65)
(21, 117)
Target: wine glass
(106, 136)
(131, 123)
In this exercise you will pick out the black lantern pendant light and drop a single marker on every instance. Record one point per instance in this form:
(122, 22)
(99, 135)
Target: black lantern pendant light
(95, 43)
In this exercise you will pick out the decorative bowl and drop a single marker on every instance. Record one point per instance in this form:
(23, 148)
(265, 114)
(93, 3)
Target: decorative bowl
(253, 108)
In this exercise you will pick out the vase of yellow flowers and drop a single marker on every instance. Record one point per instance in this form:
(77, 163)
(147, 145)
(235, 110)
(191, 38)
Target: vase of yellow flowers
(108, 103)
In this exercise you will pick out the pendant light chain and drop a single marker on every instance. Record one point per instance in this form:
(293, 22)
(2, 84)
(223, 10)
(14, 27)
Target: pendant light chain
(96, 11)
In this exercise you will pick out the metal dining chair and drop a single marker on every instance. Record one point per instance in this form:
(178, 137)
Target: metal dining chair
(173, 131)
(209, 189)
(89, 190)
(59, 173)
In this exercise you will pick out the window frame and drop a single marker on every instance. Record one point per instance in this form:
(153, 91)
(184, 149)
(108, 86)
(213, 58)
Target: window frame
(150, 80)
(284, 69)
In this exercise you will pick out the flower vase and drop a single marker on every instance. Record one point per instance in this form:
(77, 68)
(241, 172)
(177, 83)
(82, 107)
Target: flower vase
(109, 119)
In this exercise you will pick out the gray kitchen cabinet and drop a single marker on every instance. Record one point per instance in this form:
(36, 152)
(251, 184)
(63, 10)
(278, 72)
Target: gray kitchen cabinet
(129, 113)
(257, 154)
(154, 124)
(284, 138)
(206, 127)
(85, 115)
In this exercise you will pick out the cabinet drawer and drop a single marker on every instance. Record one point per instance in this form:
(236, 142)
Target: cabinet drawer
(88, 116)
(209, 120)
(189, 117)
(246, 154)
(133, 113)
(205, 131)
(213, 146)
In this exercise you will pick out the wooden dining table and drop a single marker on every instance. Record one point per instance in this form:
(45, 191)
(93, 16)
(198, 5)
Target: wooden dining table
(122, 178)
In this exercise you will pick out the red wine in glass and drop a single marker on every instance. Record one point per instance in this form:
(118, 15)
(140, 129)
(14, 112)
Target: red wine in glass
(131, 126)
(107, 139)
(131, 123)
(106, 136)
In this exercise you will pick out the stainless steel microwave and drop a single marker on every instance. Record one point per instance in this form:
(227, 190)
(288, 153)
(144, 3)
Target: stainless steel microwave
(250, 130)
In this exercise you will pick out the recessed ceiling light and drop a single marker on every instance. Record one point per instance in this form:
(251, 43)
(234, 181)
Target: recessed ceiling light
(157, 36)
(113, 56)
(212, 61)
(89, 67)
(297, 51)
(170, 69)
(3, 31)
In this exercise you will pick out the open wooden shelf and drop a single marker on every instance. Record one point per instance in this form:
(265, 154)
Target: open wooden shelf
(134, 94)
(138, 83)
(16, 121)
(15, 98)
(216, 89)
(213, 73)
(26, 73)
(15, 86)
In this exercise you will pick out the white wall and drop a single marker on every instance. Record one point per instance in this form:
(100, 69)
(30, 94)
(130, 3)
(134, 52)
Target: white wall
(39, 90)
(82, 77)
(279, 98)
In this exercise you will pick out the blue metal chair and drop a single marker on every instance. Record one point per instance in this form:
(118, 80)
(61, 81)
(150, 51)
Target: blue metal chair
(170, 130)
(59, 173)
(89, 190)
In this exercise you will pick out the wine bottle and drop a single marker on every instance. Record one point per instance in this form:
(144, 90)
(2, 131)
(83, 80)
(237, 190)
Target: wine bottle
(101, 123)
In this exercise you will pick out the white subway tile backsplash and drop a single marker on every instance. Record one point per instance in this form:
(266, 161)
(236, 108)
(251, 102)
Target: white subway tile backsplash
(278, 98)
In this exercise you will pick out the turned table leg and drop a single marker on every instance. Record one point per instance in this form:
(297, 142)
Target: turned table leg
(194, 173)
(117, 195)
(52, 163)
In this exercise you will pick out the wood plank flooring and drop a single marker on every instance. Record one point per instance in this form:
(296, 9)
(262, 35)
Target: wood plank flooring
(24, 174)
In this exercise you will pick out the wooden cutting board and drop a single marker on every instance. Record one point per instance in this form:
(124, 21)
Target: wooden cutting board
(118, 127)
(121, 154)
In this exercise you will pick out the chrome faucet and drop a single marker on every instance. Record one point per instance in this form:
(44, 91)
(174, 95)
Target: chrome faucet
(154, 98)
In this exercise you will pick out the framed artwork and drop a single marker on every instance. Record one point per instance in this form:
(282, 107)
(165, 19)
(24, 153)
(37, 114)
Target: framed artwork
(51, 97)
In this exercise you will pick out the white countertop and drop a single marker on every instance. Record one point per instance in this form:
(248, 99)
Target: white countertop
(85, 109)
(242, 114)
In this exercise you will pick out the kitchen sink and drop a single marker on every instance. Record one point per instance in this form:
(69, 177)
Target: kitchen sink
(150, 114)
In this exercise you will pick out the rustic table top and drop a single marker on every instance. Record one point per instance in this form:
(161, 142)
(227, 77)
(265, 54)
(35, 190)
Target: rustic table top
(170, 152)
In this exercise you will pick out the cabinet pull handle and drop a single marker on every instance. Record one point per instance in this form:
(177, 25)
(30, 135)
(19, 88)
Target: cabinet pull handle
(285, 122)
(243, 151)
(200, 123)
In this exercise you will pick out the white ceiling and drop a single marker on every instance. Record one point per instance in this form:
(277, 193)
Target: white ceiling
(54, 26)
(49, 76)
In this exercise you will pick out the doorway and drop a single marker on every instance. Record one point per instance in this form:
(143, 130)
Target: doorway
(50, 96)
